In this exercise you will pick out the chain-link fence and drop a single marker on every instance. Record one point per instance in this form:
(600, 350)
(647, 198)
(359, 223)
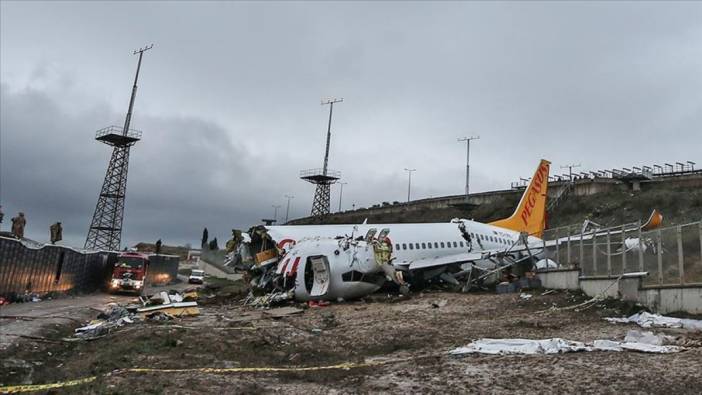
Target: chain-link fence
(671, 256)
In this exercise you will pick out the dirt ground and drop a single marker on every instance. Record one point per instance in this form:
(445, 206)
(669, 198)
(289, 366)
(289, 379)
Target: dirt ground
(405, 340)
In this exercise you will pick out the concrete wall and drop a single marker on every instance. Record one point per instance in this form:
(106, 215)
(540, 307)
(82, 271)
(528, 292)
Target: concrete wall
(660, 299)
(560, 279)
(668, 300)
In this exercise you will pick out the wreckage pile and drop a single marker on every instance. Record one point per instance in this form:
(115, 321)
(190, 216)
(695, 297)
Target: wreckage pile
(162, 306)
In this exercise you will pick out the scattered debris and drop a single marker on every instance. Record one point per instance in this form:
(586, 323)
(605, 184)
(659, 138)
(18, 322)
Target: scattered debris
(283, 312)
(318, 303)
(556, 346)
(550, 291)
(524, 296)
(114, 316)
(439, 303)
(178, 309)
(648, 320)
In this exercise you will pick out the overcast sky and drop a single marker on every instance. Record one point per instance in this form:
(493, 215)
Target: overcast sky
(229, 102)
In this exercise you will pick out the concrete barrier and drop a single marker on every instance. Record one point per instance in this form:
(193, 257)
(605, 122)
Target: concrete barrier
(560, 279)
(217, 271)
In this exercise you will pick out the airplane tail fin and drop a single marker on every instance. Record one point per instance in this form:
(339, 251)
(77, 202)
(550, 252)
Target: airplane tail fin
(530, 215)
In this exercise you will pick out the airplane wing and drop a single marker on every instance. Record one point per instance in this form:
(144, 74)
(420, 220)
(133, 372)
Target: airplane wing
(424, 263)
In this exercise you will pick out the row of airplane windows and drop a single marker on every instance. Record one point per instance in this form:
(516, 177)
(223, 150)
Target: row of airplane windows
(448, 244)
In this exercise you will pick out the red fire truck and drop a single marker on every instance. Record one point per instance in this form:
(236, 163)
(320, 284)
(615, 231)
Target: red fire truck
(129, 272)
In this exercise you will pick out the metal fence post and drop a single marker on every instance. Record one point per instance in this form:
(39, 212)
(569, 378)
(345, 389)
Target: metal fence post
(594, 253)
(609, 256)
(558, 249)
(624, 250)
(681, 261)
(641, 257)
(568, 246)
(582, 256)
(660, 257)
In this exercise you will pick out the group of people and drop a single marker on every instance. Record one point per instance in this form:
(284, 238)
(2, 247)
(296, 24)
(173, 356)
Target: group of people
(20, 221)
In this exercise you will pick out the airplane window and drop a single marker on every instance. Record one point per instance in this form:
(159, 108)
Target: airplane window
(416, 245)
(397, 246)
(442, 244)
(460, 244)
(455, 245)
(448, 244)
(429, 245)
(404, 246)
(436, 245)
(411, 246)
(481, 237)
(424, 246)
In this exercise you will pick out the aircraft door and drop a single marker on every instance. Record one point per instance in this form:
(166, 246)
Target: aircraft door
(317, 276)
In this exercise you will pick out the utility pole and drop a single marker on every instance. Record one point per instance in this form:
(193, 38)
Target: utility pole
(275, 214)
(341, 193)
(570, 170)
(409, 182)
(287, 210)
(467, 140)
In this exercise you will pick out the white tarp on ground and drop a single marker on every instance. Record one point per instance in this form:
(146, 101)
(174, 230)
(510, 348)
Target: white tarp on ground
(558, 345)
(648, 320)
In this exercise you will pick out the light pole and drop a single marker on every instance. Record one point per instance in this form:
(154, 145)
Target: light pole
(570, 170)
(341, 193)
(287, 210)
(409, 182)
(275, 215)
(467, 140)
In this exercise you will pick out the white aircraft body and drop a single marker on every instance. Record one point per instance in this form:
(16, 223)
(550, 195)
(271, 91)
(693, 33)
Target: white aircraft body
(331, 262)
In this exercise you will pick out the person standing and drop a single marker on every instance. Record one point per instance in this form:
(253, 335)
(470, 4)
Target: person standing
(158, 246)
(18, 224)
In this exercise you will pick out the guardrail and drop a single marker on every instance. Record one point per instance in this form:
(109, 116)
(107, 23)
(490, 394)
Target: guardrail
(672, 256)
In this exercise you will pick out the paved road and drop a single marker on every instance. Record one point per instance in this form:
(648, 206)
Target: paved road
(62, 311)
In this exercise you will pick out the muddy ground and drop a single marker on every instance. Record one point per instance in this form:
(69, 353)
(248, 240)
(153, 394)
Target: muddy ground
(417, 332)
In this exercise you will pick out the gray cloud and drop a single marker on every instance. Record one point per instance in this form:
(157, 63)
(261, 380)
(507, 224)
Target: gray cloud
(229, 101)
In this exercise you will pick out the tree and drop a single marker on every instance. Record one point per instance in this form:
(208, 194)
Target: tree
(204, 238)
(213, 245)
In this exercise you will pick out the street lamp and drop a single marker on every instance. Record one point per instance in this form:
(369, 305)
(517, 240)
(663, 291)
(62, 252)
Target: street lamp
(467, 140)
(287, 210)
(275, 215)
(409, 182)
(341, 193)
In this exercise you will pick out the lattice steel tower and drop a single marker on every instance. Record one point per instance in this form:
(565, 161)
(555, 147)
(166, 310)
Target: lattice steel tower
(323, 177)
(105, 231)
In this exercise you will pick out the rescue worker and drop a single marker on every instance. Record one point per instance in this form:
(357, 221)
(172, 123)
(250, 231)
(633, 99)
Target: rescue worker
(382, 250)
(18, 224)
(158, 246)
(2, 215)
(56, 232)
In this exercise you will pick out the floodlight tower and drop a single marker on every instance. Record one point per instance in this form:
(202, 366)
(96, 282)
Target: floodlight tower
(323, 177)
(105, 231)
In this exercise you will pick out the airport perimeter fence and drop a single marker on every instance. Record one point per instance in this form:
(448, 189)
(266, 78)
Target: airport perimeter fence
(40, 269)
(672, 256)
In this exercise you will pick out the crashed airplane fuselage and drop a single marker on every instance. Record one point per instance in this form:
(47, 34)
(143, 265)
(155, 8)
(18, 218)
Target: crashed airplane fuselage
(329, 262)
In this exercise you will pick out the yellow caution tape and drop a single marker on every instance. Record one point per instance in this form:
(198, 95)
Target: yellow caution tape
(343, 366)
(14, 389)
